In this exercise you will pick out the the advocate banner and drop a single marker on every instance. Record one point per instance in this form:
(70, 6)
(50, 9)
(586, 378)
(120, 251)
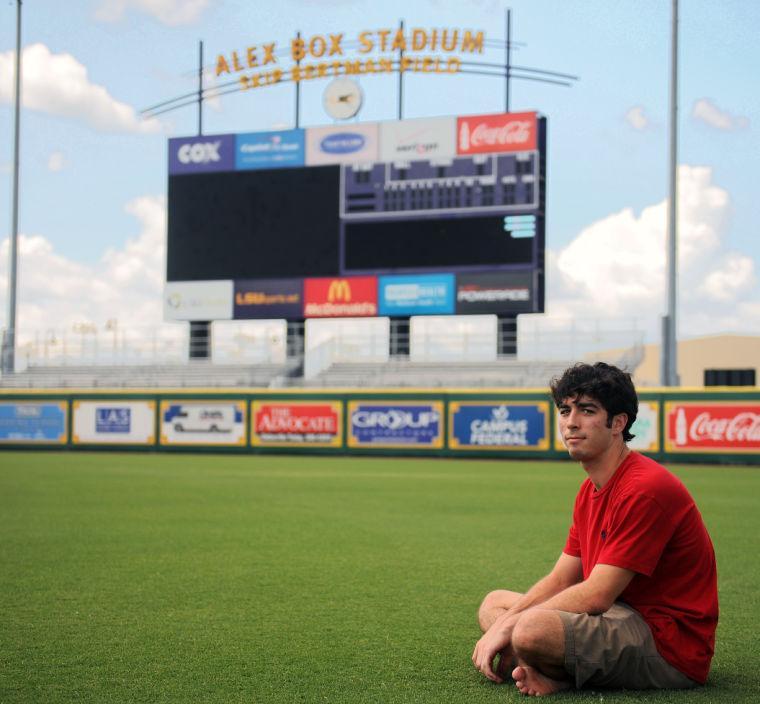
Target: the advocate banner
(38, 422)
(504, 132)
(114, 422)
(203, 422)
(296, 424)
(646, 429)
(699, 426)
(348, 296)
(509, 425)
(402, 424)
(195, 155)
(266, 299)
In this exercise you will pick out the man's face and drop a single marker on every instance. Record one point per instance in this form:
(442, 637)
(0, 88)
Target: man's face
(584, 429)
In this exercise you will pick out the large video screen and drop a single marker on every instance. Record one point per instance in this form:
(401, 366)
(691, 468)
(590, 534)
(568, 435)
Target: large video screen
(442, 215)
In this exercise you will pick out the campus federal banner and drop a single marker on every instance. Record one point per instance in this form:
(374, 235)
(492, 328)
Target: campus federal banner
(494, 425)
(214, 422)
(296, 423)
(38, 422)
(113, 421)
(712, 426)
(395, 424)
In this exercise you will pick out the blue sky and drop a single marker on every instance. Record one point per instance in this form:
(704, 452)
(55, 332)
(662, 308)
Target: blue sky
(93, 177)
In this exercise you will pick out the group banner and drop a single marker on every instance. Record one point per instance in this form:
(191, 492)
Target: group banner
(498, 425)
(113, 422)
(395, 424)
(39, 422)
(216, 423)
(296, 424)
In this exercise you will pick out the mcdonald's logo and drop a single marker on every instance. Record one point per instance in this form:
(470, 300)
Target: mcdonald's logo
(350, 296)
(340, 290)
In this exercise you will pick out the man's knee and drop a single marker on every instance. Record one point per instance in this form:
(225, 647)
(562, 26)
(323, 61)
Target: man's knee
(495, 601)
(539, 633)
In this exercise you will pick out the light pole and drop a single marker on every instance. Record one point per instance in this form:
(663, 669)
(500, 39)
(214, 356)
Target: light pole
(9, 339)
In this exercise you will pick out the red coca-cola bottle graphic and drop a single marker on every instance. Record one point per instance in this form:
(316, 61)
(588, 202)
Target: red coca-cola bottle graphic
(464, 137)
(681, 429)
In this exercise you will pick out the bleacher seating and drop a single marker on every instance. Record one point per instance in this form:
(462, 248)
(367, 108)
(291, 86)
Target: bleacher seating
(196, 374)
(508, 373)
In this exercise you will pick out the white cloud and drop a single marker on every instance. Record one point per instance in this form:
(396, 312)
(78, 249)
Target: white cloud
(706, 111)
(57, 293)
(169, 12)
(56, 162)
(58, 84)
(615, 267)
(637, 118)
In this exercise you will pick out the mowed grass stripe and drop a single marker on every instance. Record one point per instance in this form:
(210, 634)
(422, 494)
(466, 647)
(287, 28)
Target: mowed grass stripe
(200, 578)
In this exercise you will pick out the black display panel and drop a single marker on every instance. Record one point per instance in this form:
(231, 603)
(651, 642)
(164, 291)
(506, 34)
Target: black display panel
(276, 223)
(439, 243)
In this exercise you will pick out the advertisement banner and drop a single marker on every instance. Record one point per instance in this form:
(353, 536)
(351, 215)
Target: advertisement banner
(504, 132)
(646, 429)
(342, 144)
(39, 422)
(427, 294)
(113, 422)
(513, 425)
(705, 426)
(198, 300)
(296, 424)
(431, 139)
(395, 424)
(203, 423)
(349, 296)
(269, 150)
(495, 292)
(268, 299)
(196, 155)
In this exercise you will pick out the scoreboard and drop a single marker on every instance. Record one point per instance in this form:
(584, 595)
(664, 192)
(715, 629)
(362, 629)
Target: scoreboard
(441, 215)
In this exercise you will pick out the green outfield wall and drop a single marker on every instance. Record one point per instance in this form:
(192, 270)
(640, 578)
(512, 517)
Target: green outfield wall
(719, 425)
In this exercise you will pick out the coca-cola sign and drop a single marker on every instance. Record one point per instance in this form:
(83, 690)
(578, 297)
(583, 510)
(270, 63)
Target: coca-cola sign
(705, 427)
(299, 423)
(505, 132)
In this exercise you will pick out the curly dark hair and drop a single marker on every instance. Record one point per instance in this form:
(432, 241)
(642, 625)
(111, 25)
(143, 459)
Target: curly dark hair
(612, 387)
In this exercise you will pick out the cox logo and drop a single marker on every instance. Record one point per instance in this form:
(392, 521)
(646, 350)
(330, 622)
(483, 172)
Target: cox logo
(342, 143)
(199, 153)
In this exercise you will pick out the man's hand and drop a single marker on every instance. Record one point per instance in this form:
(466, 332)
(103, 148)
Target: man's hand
(496, 640)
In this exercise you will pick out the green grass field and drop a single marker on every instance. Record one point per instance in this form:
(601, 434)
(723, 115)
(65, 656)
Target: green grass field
(189, 578)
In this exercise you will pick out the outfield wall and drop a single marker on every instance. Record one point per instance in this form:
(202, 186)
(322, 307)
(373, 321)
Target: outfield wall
(691, 425)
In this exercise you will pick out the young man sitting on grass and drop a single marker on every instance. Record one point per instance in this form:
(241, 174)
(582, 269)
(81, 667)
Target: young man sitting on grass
(632, 601)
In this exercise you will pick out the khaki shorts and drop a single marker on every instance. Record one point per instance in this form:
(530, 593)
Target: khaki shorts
(616, 649)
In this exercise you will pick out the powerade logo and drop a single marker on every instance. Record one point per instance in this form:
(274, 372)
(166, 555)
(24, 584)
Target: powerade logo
(113, 420)
(343, 143)
(199, 153)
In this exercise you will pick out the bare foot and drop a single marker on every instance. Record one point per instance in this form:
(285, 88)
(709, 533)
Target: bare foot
(532, 683)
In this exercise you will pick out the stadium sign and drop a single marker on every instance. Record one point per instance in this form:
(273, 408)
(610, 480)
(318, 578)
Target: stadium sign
(349, 297)
(203, 423)
(113, 422)
(296, 424)
(202, 154)
(325, 56)
(40, 422)
(498, 426)
(431, 294)
(341, 145)
(507, 292)
(269, 150)
(268, 299)
(486, 134)
(395, 424)
(730, 426)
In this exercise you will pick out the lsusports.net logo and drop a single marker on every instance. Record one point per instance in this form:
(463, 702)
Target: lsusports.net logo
(353, 296)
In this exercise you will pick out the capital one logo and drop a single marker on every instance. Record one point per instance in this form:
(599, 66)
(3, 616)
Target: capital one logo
(199, 153)
(340, 290)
